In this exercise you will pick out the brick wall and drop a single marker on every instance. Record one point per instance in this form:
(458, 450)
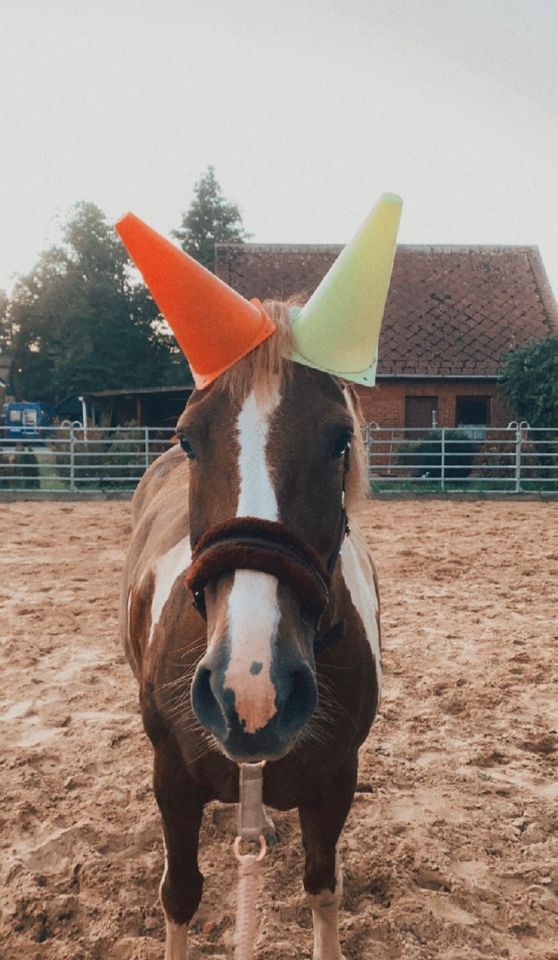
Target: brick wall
(385, 403)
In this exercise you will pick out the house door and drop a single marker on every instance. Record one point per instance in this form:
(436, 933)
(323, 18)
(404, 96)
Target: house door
(421, 412)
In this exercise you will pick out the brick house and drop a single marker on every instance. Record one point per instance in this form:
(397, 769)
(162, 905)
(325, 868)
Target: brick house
(452, 312)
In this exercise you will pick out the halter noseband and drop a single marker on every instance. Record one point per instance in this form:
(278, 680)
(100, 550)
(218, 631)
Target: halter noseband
(248, 543)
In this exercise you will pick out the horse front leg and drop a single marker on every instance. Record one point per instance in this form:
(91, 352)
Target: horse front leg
(181, 811)
(321, 823)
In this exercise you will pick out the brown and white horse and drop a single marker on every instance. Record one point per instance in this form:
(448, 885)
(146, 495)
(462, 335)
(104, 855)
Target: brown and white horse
(285, 663)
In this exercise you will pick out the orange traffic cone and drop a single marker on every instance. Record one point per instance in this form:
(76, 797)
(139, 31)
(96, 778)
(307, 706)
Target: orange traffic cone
(214, 325)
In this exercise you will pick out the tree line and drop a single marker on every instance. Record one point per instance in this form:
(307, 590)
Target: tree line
(80, 321)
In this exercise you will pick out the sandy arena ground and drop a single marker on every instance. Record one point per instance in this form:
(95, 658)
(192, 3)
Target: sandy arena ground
(451, 847)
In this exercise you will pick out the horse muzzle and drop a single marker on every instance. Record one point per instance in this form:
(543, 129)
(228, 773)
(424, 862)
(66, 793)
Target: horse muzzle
(215, 706)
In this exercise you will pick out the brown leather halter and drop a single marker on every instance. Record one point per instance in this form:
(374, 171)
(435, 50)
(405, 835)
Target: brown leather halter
(249, 543)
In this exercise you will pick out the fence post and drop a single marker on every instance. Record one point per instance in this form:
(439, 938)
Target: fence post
(367, 449)
(146, 446)
(72, 460)
(518, 445)
(443, 460)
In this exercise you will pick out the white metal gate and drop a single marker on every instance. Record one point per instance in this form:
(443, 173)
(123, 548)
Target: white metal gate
(515, 459)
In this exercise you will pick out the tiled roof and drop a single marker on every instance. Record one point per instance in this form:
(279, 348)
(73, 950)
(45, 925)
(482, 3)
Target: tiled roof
(451, 311)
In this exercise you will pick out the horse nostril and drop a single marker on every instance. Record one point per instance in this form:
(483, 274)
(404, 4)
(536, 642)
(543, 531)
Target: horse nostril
(204, 702)
(301, 700)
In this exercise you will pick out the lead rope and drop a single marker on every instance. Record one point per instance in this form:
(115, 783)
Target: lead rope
(252, 819)
(252, 822)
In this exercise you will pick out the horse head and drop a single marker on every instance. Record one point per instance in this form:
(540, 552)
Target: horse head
(271, 445)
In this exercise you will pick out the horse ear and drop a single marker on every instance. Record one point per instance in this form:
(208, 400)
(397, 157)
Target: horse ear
(338, 330)
(214, 325)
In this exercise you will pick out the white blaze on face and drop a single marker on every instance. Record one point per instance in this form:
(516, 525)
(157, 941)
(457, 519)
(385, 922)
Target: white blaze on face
(257, 495)
(168, 567)
(253, 611)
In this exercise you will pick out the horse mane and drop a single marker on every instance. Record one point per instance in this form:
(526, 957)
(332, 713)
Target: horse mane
(260, 369)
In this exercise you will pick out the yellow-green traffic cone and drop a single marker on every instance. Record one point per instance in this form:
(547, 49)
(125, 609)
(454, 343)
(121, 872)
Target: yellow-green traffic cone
(338, 330)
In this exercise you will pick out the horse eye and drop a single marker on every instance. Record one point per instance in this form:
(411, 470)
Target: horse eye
(187, 447)
(342, 444)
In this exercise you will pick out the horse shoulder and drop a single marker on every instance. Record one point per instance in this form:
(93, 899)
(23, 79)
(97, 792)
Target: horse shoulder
(159, 551)
(360, 578)
(169, 470)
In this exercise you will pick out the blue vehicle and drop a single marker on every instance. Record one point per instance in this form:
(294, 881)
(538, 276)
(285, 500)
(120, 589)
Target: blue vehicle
(25, 421)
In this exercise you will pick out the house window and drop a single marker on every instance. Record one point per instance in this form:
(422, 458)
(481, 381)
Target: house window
(421, 412)
(472, 414)
(472, 411)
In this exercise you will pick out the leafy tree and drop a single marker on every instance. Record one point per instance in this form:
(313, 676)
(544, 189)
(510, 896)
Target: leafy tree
(4, 322)
(5, 339)
(530, 382)
(211, 219)
(78, 322)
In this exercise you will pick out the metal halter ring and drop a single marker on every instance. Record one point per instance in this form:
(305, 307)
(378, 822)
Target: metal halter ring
(240, 856)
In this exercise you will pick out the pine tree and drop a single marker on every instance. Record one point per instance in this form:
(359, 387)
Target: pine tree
(210, 219)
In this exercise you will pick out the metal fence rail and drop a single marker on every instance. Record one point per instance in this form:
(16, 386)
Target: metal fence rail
(514, 459)
(71, 460)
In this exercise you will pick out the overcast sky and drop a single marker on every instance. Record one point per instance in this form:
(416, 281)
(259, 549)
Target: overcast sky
(307, 109)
